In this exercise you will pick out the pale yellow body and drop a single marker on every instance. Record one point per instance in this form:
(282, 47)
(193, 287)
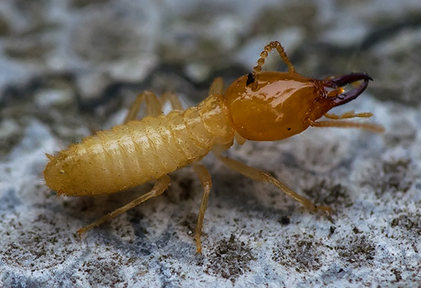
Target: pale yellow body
(140, 151)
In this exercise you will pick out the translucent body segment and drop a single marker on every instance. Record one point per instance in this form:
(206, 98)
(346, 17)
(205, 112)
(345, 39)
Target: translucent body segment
(216, 119)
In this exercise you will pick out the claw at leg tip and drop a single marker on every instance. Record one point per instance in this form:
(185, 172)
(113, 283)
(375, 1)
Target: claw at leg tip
(327, 209)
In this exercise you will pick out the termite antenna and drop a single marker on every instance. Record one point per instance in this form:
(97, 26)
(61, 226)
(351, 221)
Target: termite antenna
(273, 45)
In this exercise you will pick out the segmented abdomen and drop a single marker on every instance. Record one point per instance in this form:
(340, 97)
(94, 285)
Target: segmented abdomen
(132, 154)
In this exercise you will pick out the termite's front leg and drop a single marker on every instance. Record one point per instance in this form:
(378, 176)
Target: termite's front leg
(259, 175)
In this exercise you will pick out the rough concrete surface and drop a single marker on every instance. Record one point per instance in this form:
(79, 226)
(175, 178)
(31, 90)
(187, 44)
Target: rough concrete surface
(69, 66)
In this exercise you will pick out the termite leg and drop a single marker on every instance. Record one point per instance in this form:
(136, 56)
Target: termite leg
(160, 186)
(217, 87)
(273, 45)
(206, 181)
(348, 124)
(349, 114)
(173, 99)
(152, 103)
(240, 139)
(259, 175)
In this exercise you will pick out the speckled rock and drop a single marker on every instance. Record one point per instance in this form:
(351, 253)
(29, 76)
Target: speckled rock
(69, 67)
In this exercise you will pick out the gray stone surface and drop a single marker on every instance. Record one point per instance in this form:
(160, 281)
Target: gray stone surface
(67, 67)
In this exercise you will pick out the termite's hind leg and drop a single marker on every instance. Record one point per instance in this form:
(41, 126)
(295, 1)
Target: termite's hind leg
(206, 181)
(153, 106)
(217, 87)
(160, 186)
(259, 175)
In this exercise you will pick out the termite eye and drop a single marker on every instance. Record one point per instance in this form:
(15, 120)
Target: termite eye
(250, 79)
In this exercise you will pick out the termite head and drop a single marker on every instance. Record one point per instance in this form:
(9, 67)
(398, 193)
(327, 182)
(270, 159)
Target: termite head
(270, 106)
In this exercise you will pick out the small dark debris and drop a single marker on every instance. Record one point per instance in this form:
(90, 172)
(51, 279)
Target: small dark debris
(285, 220)
(303, 255)
(329, 193)
(395, 222)
(230, 258)
(358, 251)
(406, 222)
(398, 274)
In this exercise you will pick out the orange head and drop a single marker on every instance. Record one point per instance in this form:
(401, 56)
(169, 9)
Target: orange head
(268, 106)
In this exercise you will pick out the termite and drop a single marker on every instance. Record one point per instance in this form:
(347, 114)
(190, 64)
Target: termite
(259, 106)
